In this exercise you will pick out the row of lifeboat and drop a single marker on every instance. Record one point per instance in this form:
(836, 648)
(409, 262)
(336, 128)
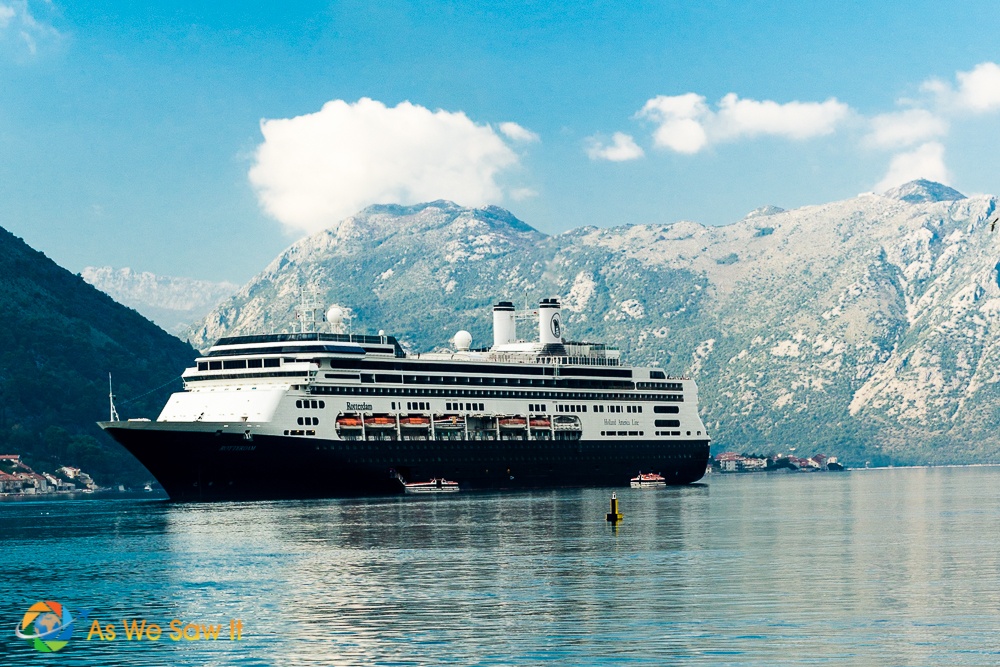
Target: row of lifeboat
(444, 422)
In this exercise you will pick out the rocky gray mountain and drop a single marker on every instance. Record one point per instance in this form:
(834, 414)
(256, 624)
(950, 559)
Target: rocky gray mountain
(173, 303)
(867, 328)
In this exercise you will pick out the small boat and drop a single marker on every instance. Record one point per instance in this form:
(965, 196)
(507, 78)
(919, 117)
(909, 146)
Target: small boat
(437, 485)
(648, 480)
(349, 422)
(416, 421)
(540, 422)
(380, 422)
(449, 421)
(513, 422)
(147, 488)
(565, 422)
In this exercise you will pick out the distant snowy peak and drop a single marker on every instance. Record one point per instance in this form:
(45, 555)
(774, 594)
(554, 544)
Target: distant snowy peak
(764, 211)
(173, 303)
(393, 218)
(921, 190)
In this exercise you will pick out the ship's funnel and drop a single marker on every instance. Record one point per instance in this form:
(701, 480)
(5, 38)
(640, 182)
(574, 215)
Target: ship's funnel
(503, 324)
(549, 322)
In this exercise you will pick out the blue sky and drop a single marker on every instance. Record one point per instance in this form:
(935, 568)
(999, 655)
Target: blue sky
(132, 135)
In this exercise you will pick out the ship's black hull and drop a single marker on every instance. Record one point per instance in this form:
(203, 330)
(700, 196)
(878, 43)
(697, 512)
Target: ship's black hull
(210, 465)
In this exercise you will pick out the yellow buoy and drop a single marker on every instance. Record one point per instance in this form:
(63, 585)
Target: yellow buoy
(614, 516)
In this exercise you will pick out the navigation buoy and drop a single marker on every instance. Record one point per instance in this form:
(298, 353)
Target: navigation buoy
(614, 516)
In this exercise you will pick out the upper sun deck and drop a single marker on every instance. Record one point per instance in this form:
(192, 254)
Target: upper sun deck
(551, 349)
(291, 343)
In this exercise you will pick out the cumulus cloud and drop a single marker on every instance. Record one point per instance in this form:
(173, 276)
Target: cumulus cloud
(20, 28)
(621, 148)
(977, 91)
(515, 132)
(900, 129)
(680, 121)
(926, 161)
(686, 124)
(312, 171)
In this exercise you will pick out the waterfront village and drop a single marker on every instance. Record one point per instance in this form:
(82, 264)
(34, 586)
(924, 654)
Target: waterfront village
(17, 478)
(732, 462)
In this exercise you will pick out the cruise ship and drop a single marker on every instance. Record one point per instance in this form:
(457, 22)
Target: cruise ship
(326, 414)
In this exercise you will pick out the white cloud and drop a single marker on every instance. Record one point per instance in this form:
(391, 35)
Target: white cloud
(900, 129)
(738, 118)
(680, 121)
(312, 171)
(520, 194)
(686, 124)
(515, 132)
(18, 22)
(621, 148)
(978, 90)
(925, 161)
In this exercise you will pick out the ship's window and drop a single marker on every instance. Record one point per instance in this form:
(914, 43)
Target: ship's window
(298, 404)
(689, 432)
(322, 404)
(202, 365)
(666, 409)
(639, 408)
(255, 363)
(272, 363)
(299, 421)
(667, 422)
(657, 375)
(313, 404)
(286, 432)
(214, 365)
(699, 432)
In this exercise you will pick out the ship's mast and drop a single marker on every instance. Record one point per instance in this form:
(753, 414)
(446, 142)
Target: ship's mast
(307, 311)
(111, 400)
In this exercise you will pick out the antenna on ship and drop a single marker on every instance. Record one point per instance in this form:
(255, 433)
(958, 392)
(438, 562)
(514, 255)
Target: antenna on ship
(307, 311)
(111, 399)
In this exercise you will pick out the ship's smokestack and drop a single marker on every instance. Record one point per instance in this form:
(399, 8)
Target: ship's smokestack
(549, 322)
(503, 324)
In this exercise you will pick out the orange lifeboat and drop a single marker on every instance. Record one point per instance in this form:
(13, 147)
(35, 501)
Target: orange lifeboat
(348, 422)
(417, 420)
(541, 422)
(513, 422)
(380, 421)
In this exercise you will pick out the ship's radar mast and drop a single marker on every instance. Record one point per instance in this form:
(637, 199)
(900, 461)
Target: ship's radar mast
(307, 311)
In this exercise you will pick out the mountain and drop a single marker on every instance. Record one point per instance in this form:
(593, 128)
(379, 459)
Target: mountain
(173, 303)
(59, 340)
(867, 328)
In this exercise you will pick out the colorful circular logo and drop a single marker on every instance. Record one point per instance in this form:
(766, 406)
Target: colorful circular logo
(47, 626)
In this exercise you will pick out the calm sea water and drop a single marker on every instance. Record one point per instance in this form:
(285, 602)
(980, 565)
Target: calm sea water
(883, 567)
